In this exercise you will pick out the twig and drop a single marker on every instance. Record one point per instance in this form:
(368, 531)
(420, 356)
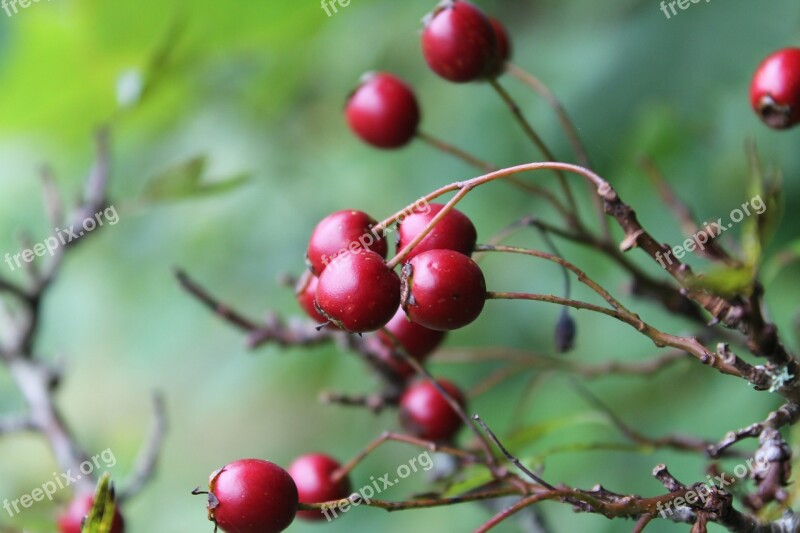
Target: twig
(147, 460)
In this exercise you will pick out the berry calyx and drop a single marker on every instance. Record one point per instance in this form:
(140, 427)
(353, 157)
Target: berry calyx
(71, 520)
(358, 292)
(458, 42)
(339, 232)
(425, 413)
(454, 231)
(251, 496)
(305, 292)
(775, 89)
(503, 48)
(312, 474)
(401, 334)
(443, 290)
(383, 111)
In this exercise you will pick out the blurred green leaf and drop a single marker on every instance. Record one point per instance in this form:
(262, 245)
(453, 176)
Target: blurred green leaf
(531, 434)
(101, 516)
(726, 282)
(186, 181)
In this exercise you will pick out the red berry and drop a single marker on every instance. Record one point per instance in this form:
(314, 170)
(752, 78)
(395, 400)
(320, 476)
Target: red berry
(503, 49)
(305, 292)
(383, 111)
(252, 496)
(417, 341)
(454, 232)
(425, 413)
(339, 232)
(358, 292)
(775, 89)
(71, 520)
(443, 290)
(458, 42)
(312, 475)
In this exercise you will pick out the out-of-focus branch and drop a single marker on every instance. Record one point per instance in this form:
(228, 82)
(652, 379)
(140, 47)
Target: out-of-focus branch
(146, 463)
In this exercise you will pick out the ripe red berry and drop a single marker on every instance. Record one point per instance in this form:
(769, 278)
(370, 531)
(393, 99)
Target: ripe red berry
(417, 341)
(454, 232)
(312, 475)
(339, 232)
(443, 290)
(252, 496)
(425, 413)
(358, 292)
(383, 111)
(458, 42)
(503, 48)
(71, 520)
(775, 89)
(305, 292)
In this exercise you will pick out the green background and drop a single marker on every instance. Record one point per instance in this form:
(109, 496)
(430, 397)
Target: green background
(258, 87)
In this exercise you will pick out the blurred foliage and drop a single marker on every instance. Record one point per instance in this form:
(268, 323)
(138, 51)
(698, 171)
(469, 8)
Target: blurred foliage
(205, 92)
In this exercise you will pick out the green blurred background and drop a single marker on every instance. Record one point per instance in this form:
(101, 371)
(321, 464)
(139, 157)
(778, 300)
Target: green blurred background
(257, 87)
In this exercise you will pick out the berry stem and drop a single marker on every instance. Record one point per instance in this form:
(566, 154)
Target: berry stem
(540, 144)
(388, 436)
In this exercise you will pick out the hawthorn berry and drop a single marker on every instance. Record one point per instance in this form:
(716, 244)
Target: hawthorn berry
(503, 48)
(305, 292)
(312, 474)
(458, 42)
(341, 231)
(775, 89)
(424, 412)
(251, 496)
(400, 333)
(383, 111)
(443, 290)
(454, 231)
(358, 292)
(71, 520)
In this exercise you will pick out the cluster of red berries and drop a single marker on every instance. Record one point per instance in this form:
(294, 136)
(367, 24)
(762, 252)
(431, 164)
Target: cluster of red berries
(775, 89)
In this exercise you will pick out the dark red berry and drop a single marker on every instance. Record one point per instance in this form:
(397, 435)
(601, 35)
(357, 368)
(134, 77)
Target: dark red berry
(71, 520)
(339, 232)
(458, 42)
(775, 89)
(503, 48)
(454, 231)
(425, 413)
(443, 290)
(358, 292)
(383, 111)
(400, 333)
(252, 496)
(305, 292)
(312, 474)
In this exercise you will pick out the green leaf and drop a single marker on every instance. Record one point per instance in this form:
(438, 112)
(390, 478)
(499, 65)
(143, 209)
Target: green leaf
(531, 434)
(726, 282)
(185, 181)
(101, 516)
(475, 476)
(789, 255)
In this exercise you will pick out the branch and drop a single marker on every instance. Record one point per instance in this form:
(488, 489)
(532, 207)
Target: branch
(147, 460)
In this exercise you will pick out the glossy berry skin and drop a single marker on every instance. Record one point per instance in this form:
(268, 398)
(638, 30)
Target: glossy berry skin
(305, 292)
(454, 232)
(443, 290)
(341, 231)
(425, 413)
(502, 49)
(71, 520)
(383, 111)
(775, 89)
(312, 475)
(417, 341)
(358, 292)
(252, 496)
(458, 42)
